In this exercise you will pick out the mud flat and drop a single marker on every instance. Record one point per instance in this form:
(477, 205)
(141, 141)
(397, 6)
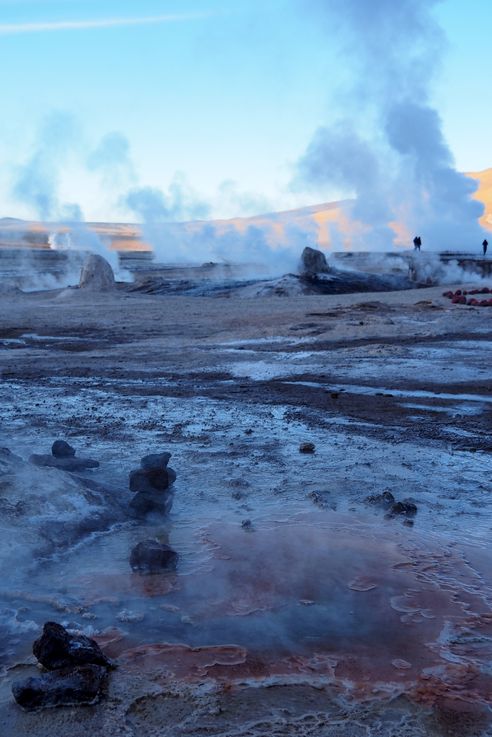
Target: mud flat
(298, 606)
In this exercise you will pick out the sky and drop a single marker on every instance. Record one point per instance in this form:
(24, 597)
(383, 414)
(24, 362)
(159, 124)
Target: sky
(221, 97)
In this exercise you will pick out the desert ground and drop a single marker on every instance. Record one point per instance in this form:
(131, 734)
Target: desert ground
(299, 605)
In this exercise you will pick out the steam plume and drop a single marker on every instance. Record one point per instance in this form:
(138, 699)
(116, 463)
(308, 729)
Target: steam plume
(390, 151)
(37, 184)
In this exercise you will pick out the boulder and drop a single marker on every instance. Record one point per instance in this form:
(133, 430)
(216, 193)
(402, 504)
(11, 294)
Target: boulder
(97, 274)
(61, 449)
(151, 556)
(314, 262)
(144, 503)
(307, 448)
(155, 460)
(57, 648)
(65, 687)
(67, 463)
(149, 481)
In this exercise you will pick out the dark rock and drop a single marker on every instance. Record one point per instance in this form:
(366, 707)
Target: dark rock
(386, 499)
(61, 449)
(320, 498)
(314, 262)
(171, 474)
(150, 481)
(307, 448)
(63, 464)
(155, 460)
(57, 648)
(145, 503)
(65, 687)
(405, 507)
(151, 556)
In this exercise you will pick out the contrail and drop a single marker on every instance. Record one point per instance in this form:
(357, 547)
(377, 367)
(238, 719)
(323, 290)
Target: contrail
(9, 29)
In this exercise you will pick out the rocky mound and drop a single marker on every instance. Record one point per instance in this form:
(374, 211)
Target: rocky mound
(97, 274)
(77, 671)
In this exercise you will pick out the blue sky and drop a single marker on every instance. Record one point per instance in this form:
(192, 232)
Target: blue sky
(217, 91)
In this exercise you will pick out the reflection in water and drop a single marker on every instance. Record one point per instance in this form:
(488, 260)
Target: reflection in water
(362, 604)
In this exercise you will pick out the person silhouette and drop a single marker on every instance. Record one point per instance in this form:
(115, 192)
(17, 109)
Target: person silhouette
(417, 242)
(484, 246)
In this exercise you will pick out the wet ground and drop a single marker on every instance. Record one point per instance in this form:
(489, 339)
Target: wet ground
(297, 607)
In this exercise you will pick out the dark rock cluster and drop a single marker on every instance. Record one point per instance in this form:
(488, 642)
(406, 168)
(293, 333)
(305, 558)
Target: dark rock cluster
(76, 671)
(462, 297)
(406, 508)
(63, 457)
(152, 484)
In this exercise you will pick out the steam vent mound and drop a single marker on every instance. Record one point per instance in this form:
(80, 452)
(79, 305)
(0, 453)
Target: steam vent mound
(97, 274)
(313, 262)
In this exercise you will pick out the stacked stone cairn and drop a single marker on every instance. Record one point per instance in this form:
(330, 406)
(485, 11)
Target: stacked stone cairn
(152, 485)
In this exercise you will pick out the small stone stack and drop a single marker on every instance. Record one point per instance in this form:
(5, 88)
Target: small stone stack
(77, 671)
(151, 484)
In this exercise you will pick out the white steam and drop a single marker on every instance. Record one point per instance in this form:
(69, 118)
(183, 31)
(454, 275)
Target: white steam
(389, 150)
(37, 185)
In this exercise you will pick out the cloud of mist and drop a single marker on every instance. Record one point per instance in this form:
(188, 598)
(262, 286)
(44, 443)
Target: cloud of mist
(37, 183)
(231, 198)
(111, 158)
(160, 212)
(389, 150)
(179, 202)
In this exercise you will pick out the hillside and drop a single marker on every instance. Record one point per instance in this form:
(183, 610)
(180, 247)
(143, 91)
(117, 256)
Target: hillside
(314, 219)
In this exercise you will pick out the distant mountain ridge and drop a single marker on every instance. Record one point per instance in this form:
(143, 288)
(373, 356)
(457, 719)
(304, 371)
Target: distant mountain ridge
(315, 219)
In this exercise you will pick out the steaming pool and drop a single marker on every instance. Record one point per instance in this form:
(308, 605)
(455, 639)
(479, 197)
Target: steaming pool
(319, 596)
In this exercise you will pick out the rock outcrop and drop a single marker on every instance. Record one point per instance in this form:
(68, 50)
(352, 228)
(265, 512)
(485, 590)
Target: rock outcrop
(77, 668)
(62, 449)
(97, 274)
(83, 685)
(314, 262)
(57, 648)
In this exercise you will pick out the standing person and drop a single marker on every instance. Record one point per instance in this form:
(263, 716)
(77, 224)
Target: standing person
(416, 243)
(484, 246)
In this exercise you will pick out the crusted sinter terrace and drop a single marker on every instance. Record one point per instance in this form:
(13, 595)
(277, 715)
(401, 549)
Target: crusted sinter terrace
(327, 519)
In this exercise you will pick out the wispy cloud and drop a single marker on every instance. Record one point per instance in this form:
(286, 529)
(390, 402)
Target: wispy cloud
(10, 29)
